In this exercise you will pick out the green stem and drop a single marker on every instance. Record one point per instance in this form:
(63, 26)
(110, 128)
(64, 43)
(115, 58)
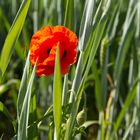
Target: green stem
(77, 78)
(35, 16)
(85, 101)
(65, 90)
(138, 88)
(101, 126)
(59, 11)
(14, 7)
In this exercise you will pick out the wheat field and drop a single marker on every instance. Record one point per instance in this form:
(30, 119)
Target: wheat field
(96, 96)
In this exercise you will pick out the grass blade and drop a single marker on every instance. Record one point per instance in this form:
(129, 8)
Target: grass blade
(98, 94)
(5, 111)
(75, 106)
(128, 32)
(86, 23)
(24, 116)
(13, 34)
(69, 15)
(128, 101)
(33, 132)
(96, 41)
(124, 45)
(18, 46)
(23, 87)
(57, 95)
(134, 119)
(137, 41)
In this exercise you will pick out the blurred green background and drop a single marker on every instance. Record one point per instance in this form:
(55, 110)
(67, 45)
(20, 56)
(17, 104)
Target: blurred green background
(118, 51)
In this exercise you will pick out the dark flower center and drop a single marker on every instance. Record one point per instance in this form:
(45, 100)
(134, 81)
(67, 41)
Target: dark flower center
(64, 54)
(48, 51)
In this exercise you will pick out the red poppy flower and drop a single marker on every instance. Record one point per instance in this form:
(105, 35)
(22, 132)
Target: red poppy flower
(43, 47)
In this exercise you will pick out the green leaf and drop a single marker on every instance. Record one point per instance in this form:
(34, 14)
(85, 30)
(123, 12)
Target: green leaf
(23, 86)
(5, 111)
(132, 124)
(90, 123)
(128, 33)
(86, 23)
(75, 106)
(137, 41)
(13, 35)
(69, 14)
(104, 69)
(24, 115)
(65, 90)
(7, 86)
(18, 46)
(98, 90)
(57, 95)
(32, 132)
(126, 105)
(1, 137)
(95, 42)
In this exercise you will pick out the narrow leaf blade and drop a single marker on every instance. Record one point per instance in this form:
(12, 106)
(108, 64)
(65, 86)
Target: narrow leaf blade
(13, 35)
(24, 116)
(57, 95)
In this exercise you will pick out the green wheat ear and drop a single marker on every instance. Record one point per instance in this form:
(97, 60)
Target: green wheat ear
(104, 45)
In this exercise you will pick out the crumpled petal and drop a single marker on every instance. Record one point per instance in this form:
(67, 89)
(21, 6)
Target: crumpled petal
(43, 47)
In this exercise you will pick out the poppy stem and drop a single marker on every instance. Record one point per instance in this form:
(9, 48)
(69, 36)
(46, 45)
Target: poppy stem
(77, 78)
